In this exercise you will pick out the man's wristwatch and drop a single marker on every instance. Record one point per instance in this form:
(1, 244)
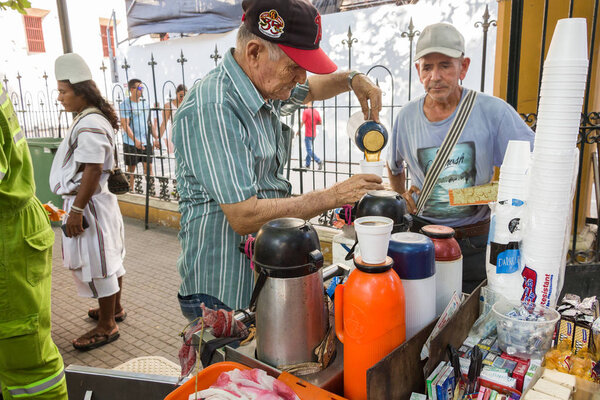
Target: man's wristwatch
(351, 76)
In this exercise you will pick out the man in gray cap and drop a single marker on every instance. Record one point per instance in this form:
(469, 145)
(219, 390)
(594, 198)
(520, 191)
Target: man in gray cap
(421, 127)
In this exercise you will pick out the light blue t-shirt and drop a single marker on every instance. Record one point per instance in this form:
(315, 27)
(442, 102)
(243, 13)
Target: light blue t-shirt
(481, 146)
(138, 113)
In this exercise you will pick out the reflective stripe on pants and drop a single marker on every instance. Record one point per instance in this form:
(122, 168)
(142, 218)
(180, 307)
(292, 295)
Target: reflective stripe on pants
(37, 388)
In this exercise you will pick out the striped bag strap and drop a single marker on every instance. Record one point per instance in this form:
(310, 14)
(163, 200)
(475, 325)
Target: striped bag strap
(441, 158)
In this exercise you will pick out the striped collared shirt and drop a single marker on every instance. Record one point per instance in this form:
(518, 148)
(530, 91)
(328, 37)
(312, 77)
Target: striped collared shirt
(230, 145)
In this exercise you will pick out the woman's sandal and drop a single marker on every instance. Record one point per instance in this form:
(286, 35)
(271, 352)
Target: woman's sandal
(96, 340)
(94, 313)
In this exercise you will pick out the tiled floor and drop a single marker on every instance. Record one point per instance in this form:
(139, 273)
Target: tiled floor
(149, 296)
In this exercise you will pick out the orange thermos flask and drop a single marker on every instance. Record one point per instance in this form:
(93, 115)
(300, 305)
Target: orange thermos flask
(369, 321)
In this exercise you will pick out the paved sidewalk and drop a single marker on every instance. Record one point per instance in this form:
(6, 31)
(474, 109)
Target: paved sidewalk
(149, 296)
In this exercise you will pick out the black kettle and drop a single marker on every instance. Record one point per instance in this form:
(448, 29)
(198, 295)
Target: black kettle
(385, 203)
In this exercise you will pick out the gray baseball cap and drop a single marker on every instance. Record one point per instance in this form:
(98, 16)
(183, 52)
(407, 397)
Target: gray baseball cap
(71, 67)
(440, 38)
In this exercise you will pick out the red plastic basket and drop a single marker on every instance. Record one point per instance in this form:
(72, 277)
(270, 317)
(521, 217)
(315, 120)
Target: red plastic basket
(209, 375)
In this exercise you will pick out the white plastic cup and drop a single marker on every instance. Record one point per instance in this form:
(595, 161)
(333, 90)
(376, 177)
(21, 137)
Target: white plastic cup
(559, 70)
(548, 185)
(558, 158)
(555, 133)
(567, 101)
(546, 168)
(564, 74)
(564, 141)
(569, 41)
(567, 93)
(547, 252)
(555, 145)
(561, 85)
(373, 234)
(548, 202)
(516, 152)
(547, 180)
(513, 180)
(573, 116)
(564, 138)
(516, 171)
(565, 108)
(576, 65)
(372, 167)
(570, 79)
(544, 176)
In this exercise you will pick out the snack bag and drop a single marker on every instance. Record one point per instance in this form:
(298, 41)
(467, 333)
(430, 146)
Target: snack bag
(55, 213)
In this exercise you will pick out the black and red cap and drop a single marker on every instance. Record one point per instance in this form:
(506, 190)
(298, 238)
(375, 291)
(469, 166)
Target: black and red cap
(295, 26)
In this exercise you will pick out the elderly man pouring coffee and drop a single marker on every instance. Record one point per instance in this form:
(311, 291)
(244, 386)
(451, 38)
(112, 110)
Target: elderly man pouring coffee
(231, 147)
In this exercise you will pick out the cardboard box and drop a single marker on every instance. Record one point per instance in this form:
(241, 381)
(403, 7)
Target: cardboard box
(584, 390)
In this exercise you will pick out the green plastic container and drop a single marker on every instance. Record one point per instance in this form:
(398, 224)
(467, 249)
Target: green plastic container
(42, 154)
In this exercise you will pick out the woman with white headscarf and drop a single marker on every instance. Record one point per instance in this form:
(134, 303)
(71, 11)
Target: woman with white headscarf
(93, 245)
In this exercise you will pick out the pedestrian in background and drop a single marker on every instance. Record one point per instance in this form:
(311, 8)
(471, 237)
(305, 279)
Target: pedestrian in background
(79, 173)
(311, 119)
(135, 117)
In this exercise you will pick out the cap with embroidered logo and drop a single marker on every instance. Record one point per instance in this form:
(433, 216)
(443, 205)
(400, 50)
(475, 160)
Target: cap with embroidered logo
(295, 26)
(440, 38)
(71, 67)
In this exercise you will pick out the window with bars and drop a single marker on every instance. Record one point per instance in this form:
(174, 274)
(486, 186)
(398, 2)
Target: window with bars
(105, 40)
(34, 33)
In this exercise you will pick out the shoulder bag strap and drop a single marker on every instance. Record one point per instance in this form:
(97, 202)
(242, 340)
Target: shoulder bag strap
(441, 158)
(94, 110)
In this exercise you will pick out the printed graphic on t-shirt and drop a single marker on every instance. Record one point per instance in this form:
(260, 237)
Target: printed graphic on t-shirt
(460, 172)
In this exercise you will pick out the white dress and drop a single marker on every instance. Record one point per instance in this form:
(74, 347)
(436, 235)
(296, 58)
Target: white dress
(164, 164)
(96, 256)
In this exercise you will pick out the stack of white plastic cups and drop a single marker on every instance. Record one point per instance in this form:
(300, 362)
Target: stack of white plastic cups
(513, 183)
(503, 271)
(554, 168)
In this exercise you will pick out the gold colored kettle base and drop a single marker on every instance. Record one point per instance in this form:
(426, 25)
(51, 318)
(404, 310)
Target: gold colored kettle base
(373, 141)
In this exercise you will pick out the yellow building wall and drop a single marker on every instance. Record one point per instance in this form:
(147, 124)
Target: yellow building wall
(531, 42)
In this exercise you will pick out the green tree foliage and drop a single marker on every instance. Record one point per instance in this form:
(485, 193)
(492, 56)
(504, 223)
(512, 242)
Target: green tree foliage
(19, 5)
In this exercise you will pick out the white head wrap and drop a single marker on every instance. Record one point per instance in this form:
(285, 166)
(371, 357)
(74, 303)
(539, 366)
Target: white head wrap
(71, 67)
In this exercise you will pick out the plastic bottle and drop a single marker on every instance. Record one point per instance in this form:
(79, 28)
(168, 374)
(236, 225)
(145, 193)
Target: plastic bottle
(448, 264)
(369, 321)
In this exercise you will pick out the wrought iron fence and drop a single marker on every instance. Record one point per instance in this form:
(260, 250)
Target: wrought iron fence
(40, 115)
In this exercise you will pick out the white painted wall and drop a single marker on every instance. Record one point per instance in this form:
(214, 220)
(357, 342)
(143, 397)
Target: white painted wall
(85, 36)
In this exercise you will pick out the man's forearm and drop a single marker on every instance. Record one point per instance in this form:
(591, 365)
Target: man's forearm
(249, 215)
(261, 211)
(398, 182)
(127, 128)
(323, 87)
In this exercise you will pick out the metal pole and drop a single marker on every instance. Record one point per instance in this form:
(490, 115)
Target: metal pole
(410, 35)
(542, 50)
(514, 56)
(350, 41)
(149, 148)
(586, 123)
(182, 60)
(485, 25)
(65, 31)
